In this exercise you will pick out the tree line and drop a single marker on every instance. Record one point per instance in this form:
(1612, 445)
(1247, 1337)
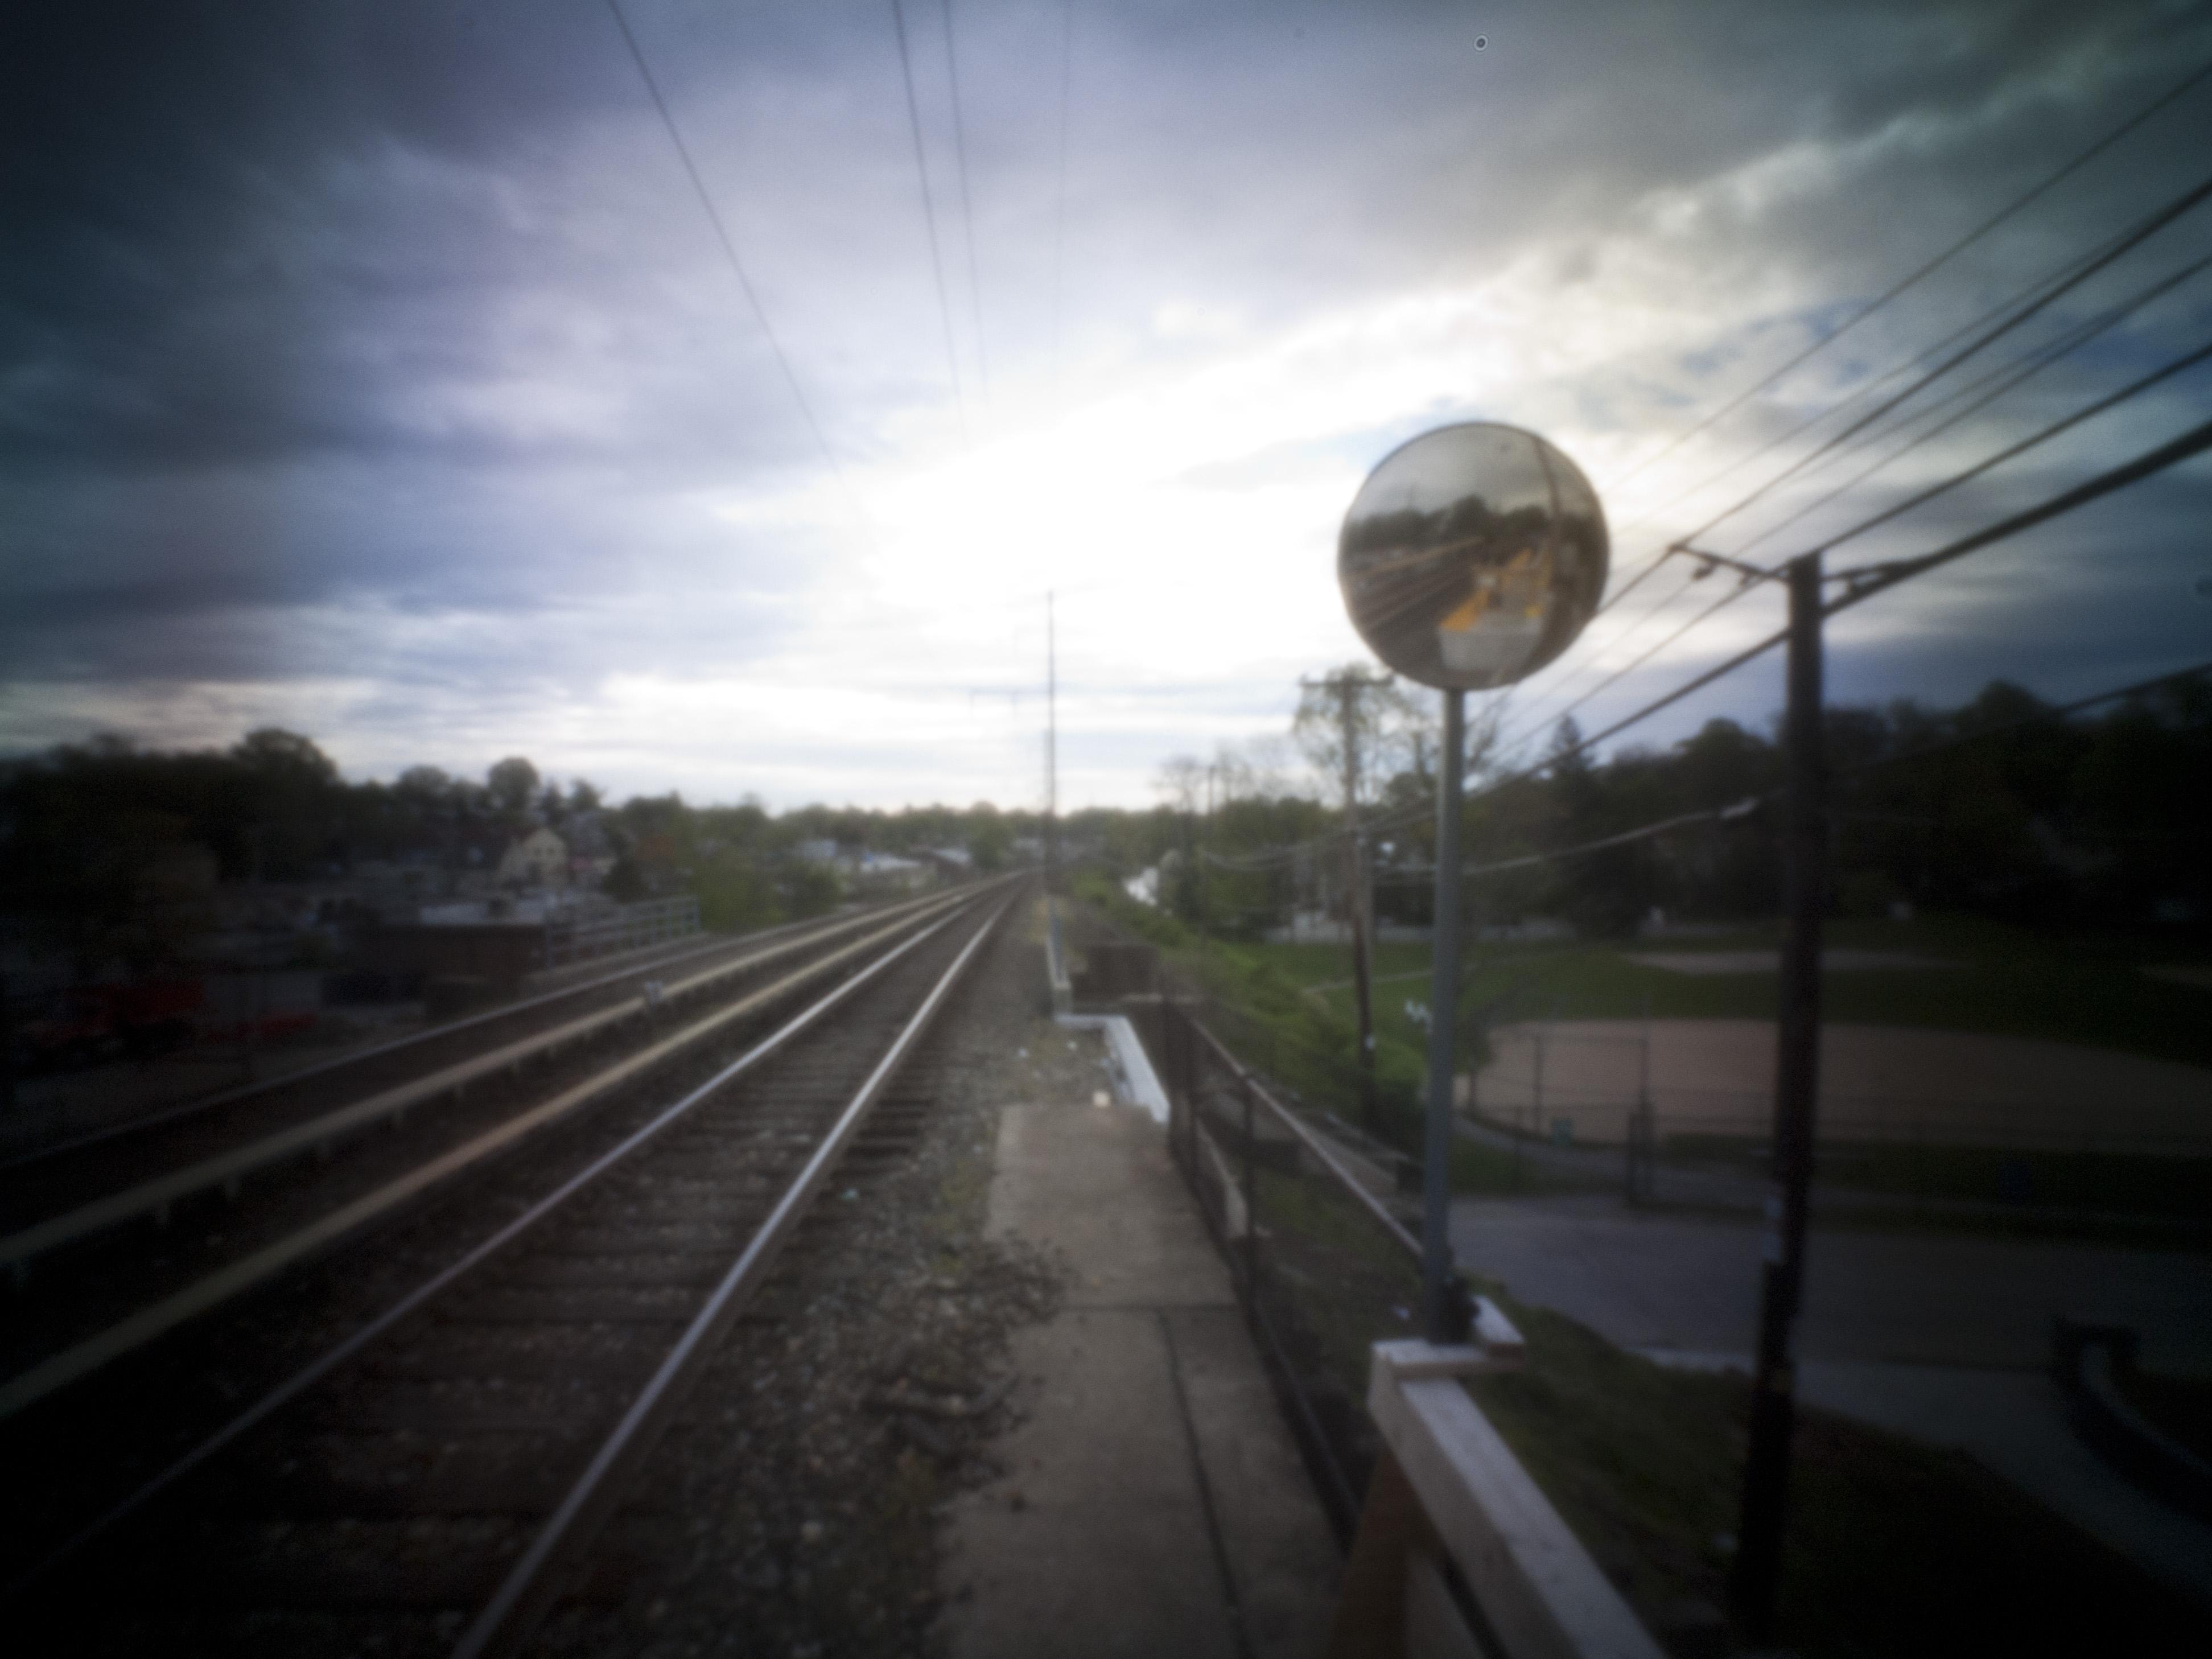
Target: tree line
(2001, 807)
(103, 844)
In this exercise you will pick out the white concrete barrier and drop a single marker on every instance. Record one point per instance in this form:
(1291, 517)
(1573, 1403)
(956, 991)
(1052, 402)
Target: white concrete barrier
(1450, 1501)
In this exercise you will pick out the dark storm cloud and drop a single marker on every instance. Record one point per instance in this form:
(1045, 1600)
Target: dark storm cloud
(387, 340)
(238, 235)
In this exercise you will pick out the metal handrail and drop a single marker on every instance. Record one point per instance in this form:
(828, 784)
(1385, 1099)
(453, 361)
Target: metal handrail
(1312, 1142)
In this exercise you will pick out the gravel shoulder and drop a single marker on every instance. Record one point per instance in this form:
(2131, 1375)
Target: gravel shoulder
(798, 1506)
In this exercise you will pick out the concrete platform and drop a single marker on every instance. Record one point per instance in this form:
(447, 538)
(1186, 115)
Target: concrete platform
(1154, 1503)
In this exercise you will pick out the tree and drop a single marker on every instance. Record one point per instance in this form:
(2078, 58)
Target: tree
(989, 843)
(512, 783)
(274, 752)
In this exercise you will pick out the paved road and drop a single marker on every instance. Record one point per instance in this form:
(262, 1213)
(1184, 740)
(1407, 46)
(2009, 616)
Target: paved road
(1942, 1337)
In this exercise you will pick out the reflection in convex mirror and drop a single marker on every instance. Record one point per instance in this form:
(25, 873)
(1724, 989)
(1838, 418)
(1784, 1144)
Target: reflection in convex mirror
(1473, 555)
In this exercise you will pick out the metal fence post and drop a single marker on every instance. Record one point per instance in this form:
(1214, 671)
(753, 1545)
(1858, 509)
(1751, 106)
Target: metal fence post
(1251, 1198)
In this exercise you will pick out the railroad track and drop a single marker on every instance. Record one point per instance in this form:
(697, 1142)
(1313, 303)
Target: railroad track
(235, 1218)
(431, 1481)
(40, 1183)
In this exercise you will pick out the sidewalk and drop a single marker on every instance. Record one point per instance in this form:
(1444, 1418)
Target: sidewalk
(1153, 1502)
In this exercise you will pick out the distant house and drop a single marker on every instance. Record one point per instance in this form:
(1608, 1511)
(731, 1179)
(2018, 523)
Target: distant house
(820, 850)
(952, 861)
(883, 871)
(539, 859)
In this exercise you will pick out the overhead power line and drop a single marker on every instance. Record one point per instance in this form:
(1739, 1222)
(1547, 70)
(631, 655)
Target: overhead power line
(2007, 379)
(1922, 273)
(1060, 194)
(1643, 832)
(929, 214)
(2098, 406)
(1869, 581)
(2109, 139)
(1743, 809)
(2012, 375)
(1881, 578)
(966, 202)
(729, 247)
(2028, 295)
(2196, 671)
(2149, 226)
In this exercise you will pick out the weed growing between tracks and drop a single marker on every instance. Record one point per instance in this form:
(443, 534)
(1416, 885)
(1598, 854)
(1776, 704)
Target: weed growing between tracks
(794, 1509)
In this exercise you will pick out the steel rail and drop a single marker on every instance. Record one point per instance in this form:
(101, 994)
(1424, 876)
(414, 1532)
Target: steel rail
(378, 1051)
(531, 1585)
(154, 1197)
(1247, 1079)
(158, 1318)
(322, 1367)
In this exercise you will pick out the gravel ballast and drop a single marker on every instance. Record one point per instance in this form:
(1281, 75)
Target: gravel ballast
(796, 1507)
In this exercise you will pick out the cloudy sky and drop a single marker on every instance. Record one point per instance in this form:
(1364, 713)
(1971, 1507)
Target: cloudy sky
(376, 370)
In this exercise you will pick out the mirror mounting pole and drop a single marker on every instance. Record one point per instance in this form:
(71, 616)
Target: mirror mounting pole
(1440, 1310)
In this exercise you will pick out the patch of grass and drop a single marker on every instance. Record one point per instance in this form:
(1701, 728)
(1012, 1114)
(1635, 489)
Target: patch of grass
(1892, 1548)
(2014, 981)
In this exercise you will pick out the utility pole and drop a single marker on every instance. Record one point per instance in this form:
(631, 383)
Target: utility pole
(1051, 772)
(1206, 866)
(1346, 688)
(1758, 1570)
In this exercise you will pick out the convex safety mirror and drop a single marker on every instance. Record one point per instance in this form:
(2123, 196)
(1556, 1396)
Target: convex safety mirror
(1473, 555)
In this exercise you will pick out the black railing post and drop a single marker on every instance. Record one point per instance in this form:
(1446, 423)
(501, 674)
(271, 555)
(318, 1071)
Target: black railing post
(1251, 1205)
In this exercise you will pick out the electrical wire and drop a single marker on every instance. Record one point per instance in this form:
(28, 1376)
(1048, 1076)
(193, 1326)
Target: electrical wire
(729, 247)
(2065, 711)
(1059, 199)
(2017, 304)
(2148, 226)
(1880, 578)
(1863, 584)
(2023, 304)
(929, 215)
(1925, 270)
(1744, 809)
(966, 202)
(2010, 378)
(2134, 389)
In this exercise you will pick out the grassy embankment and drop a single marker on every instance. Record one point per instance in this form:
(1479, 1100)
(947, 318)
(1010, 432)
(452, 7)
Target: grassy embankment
(1893, 1547)
(1261, 1011)
(2010, 982)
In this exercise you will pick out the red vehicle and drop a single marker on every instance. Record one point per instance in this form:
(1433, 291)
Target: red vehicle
(98, 1022)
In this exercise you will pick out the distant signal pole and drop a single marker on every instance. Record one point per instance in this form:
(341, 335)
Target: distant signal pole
(1051, 743)
(1346, 687)
(1051, 773)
